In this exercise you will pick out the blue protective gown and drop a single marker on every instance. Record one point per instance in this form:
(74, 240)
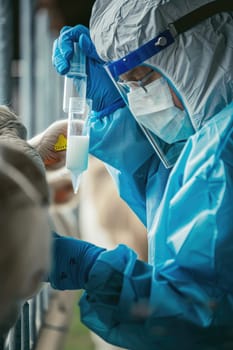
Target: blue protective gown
(183, 297)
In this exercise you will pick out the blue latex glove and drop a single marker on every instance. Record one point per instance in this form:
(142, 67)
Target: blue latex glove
(106, 99)
(72, 259)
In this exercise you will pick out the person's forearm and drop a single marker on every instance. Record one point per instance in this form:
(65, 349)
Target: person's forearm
(125, 296)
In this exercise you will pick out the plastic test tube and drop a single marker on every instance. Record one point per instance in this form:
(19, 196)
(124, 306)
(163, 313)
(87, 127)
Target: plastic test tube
(74, 102)
(75, 83)
(77, 141)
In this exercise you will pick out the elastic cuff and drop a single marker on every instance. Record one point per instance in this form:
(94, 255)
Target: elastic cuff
(108, 110)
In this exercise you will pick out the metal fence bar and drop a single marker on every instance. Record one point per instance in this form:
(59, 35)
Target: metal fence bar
(1, 343)
(32, 321)
(25, 329)
(6, 15)
(26, 87)
(15, 338)
(48, 102)
(23, 336)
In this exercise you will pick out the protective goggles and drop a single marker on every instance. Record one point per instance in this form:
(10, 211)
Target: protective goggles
(133, 72)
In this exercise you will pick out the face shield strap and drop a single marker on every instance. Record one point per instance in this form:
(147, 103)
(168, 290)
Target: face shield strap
(167, 37)
(193, 18)
(140, 55)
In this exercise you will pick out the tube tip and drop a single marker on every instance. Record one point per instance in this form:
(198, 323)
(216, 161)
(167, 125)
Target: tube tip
(76, 179)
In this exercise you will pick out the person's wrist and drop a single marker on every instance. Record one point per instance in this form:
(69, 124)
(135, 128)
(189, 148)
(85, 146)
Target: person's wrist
(72, 262)
(109, 109)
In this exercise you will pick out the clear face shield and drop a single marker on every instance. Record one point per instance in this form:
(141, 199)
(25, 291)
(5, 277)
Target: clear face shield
(151, 101)
(147, 94)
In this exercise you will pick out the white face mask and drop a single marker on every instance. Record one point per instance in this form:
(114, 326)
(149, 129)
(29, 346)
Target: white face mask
(155, 110)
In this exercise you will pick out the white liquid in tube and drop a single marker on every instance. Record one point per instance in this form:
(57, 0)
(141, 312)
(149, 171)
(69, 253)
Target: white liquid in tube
(75, 104)
(77, 157)
(77, 153)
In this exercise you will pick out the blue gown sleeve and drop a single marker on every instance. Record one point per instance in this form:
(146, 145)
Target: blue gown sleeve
(119, 142)
(131, 305)
(184, 296)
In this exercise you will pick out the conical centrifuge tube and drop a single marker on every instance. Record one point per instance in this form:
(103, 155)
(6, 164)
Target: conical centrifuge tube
(75, 104)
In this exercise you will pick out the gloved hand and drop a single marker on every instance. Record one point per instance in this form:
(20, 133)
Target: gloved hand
(51, 144)
(106, 98)
(72, 261)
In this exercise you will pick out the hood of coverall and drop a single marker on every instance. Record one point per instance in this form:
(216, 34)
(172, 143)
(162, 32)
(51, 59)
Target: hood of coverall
(198, 64)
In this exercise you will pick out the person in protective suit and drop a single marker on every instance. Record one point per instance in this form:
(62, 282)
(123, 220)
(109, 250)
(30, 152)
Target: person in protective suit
(162, 91)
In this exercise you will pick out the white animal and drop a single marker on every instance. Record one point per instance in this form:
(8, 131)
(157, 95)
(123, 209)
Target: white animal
(25, 233)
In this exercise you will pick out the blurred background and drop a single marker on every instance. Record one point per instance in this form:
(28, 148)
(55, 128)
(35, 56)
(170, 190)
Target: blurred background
(30, 85)
(28, 81)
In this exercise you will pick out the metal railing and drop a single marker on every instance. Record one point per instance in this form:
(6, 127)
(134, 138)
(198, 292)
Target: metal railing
(39, 104)
(24, 335)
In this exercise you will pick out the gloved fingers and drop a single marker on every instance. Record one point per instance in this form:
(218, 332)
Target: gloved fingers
(108, 110)
(68, 36)
(88, 47)
(64, 29)
(75, 32)
(60, 63)
(63, 47)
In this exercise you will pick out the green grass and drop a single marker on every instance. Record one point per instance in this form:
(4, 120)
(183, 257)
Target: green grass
(78, 337)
